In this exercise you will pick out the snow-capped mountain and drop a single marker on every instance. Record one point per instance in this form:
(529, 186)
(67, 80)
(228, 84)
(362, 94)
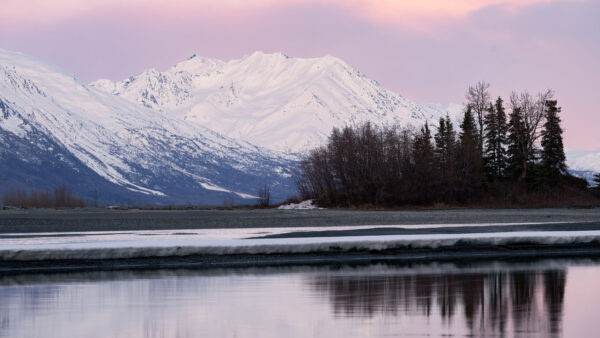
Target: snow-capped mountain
(584, 164)
(199, 132)
(583, 160)
(53, 126)
(282, 103)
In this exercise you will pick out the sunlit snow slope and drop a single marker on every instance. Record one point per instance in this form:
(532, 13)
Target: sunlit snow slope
(54, 128)
(272, 100)
(283, 103)
(583, 163)
(583, 160)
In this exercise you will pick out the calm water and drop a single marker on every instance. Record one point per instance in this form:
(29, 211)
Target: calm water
(546, 298)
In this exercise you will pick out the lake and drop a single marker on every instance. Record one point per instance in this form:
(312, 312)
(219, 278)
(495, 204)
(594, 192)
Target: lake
(541, 298)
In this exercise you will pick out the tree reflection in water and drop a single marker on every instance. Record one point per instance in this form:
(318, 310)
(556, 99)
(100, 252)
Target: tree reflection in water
(490, 302)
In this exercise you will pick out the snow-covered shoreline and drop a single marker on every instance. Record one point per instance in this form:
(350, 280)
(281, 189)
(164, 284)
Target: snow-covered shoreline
(182, 247)
(304, 205)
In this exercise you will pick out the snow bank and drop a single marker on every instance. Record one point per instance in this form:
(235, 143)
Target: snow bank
(182, 247)
(304, 205)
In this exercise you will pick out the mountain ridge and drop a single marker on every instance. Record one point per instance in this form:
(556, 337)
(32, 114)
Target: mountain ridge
(201, 132)
(131, 147)
(326, 93)
(272, 100)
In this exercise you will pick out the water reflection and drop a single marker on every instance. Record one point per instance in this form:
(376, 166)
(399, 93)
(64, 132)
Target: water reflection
(498, 299)
(534, 299)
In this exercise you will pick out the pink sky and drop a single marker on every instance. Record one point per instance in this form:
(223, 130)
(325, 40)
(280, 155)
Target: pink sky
(428, 51)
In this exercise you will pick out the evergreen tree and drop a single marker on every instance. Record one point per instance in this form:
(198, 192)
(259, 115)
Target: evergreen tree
(425, 166)
(469, 159)
(440, 147)
(445, 151)
(516, 144)
(442, 151)
(502, 138)
(495, 140)
(468, 129)
(597, 181)
(490, 150)
(450, 137)
(445, 145)
(553, 153)
(451, 177)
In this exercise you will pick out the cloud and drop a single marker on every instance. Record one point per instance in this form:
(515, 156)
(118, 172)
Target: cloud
(408, 14)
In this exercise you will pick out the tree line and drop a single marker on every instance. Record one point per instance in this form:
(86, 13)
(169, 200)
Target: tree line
(486, 155)
(59, 197)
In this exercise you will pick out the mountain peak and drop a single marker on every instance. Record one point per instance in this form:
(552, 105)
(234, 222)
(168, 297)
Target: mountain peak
(275, 101)
(121, 147)
(261, 54)
(151, 72)
(197, 65)
(262, 59)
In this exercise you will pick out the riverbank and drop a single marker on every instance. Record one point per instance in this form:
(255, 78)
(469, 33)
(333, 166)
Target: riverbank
(460, 253)
(88, 239)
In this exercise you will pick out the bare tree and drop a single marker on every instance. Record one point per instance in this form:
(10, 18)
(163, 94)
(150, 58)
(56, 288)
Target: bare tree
(95, 198)
(264, 196)
(227, 203)
(478, 97)
(533, 115)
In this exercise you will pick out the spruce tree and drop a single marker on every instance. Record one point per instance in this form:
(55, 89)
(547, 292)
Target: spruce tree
(468, 129)
(441, 146)
(490, 150)
(450, 138)
(469, 159)
(553, 153)
(445, 151)
(516, 144)
(439, 140)
(495, 140)
(597, 181)
(451, 176)
(502, 138)
(425, 168)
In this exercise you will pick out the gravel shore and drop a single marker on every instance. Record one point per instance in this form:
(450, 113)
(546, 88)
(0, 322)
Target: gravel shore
(24, 221)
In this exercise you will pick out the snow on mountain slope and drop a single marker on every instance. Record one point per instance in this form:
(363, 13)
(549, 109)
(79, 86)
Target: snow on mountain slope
(583, 160)
(151, 135)
(129, 145)
(584, 164)
(272, 100)
(283, 103)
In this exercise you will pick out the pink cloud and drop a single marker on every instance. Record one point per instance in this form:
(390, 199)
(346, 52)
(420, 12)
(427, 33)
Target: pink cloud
(401, 12)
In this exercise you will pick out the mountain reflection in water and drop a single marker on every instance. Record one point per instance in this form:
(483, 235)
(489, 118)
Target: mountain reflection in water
(536, 299)
(533, 299)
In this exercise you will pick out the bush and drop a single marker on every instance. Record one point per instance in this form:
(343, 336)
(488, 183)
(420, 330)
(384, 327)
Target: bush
(60, 197)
